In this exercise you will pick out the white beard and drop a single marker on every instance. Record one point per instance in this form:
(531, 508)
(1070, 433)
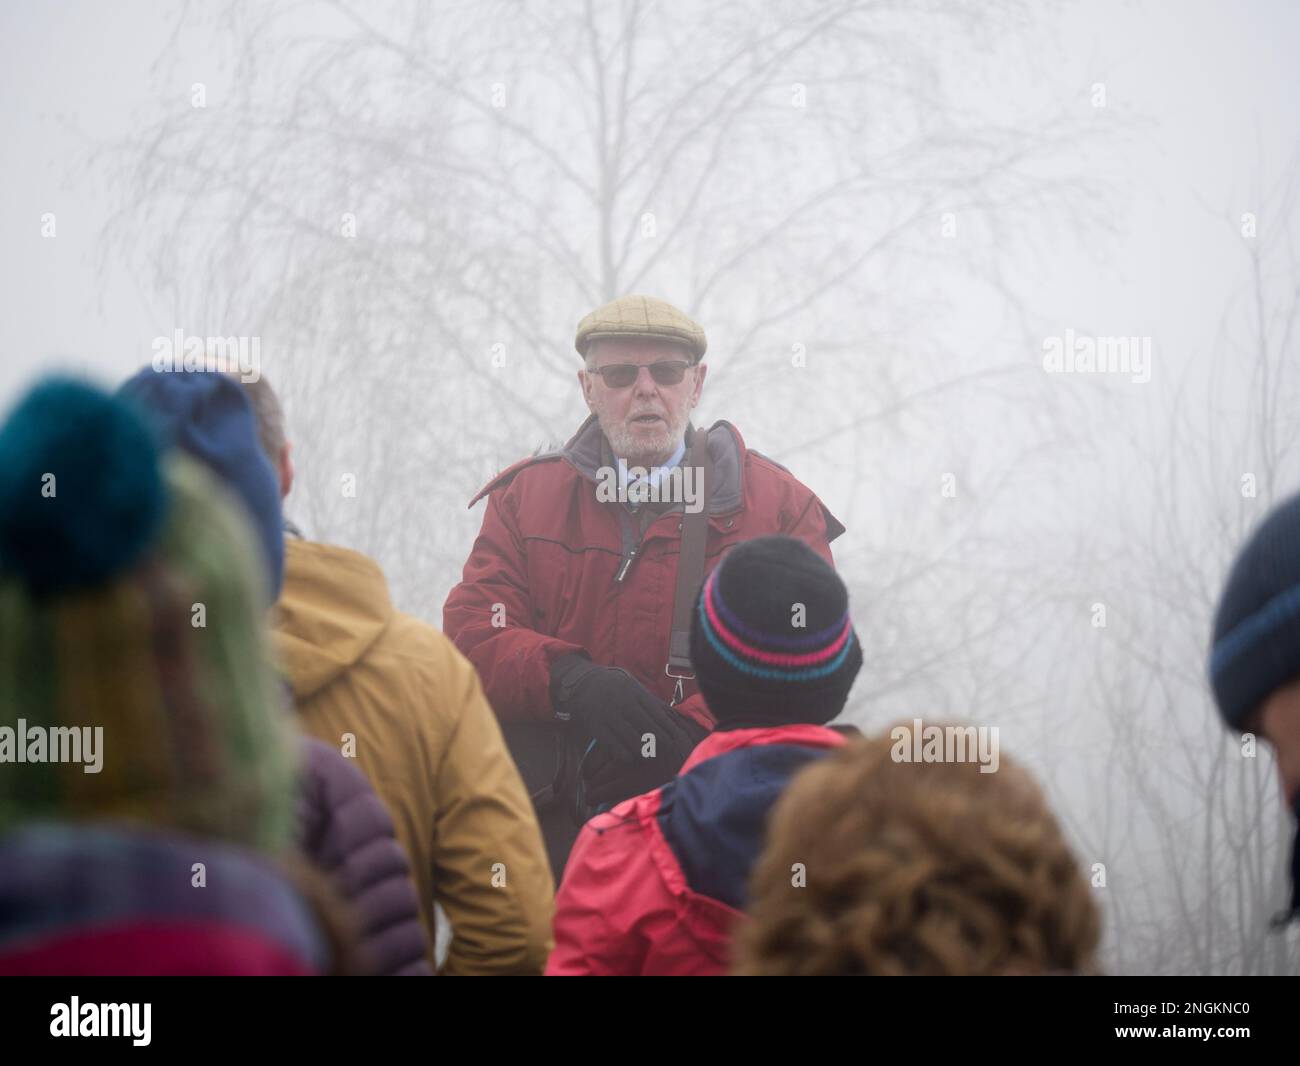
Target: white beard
(644, 451)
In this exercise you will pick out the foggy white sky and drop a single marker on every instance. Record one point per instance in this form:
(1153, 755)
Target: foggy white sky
(1215, 85)
(1203, 99)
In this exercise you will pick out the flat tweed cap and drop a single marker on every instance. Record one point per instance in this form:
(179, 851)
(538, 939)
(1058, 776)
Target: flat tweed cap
(641, 316)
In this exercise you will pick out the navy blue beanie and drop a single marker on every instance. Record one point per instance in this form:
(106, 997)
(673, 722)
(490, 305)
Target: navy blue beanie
(1257, 627)
(207, 415)
(771, 638)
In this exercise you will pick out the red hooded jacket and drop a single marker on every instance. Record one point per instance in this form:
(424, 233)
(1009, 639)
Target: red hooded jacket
(657, 885)
(542, 578)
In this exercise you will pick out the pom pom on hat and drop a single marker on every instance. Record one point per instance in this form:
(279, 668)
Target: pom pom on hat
(81, 492)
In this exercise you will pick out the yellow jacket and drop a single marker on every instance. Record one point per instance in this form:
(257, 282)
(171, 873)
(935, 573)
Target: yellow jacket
(394, 692)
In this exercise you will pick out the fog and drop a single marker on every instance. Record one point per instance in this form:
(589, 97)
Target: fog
(890, 220)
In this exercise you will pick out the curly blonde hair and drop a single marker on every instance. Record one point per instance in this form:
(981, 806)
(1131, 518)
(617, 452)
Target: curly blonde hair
(915, 868)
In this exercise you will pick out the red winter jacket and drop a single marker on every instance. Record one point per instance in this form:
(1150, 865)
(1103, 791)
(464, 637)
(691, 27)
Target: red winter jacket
(657, 885)
(545, 564)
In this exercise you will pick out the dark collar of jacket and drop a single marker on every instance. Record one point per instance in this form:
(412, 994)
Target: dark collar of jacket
(586, 447)
(713, 815)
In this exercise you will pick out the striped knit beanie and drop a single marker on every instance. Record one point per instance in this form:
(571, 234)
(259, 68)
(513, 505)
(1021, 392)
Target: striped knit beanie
(771, 637)
(1256, 647)
(135, 680)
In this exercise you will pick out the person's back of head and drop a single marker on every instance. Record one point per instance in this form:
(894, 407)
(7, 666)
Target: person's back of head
(131, 633)
(272, 432)
(138, 703)
(771, 639)
(1254, 662)
(878, 867)
(206, 415)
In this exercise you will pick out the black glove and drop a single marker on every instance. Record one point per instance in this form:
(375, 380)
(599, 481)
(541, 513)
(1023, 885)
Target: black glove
(610, 705)
(607, 781)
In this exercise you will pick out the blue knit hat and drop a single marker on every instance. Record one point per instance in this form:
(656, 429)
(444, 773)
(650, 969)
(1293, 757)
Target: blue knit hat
(207, 415)
(1256, 647)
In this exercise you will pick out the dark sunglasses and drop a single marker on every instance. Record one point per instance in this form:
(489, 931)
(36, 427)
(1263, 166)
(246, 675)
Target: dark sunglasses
(621, 375)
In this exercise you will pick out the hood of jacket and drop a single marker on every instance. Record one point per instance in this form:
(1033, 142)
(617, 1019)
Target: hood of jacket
(713, 815)
(335, 605)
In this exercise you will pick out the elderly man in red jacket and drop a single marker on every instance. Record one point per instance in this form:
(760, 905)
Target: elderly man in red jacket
(575, 601)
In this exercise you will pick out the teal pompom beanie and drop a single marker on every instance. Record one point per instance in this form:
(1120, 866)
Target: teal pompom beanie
(110, 548)
(81, 494)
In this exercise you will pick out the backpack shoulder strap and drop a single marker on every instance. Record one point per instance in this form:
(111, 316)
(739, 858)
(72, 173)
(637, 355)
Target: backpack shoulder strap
(690, 566)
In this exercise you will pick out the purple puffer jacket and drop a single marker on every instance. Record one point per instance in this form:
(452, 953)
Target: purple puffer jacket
(346, 832)
(98, 898)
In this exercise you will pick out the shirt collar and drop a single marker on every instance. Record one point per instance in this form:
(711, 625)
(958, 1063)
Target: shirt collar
(655, 473)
